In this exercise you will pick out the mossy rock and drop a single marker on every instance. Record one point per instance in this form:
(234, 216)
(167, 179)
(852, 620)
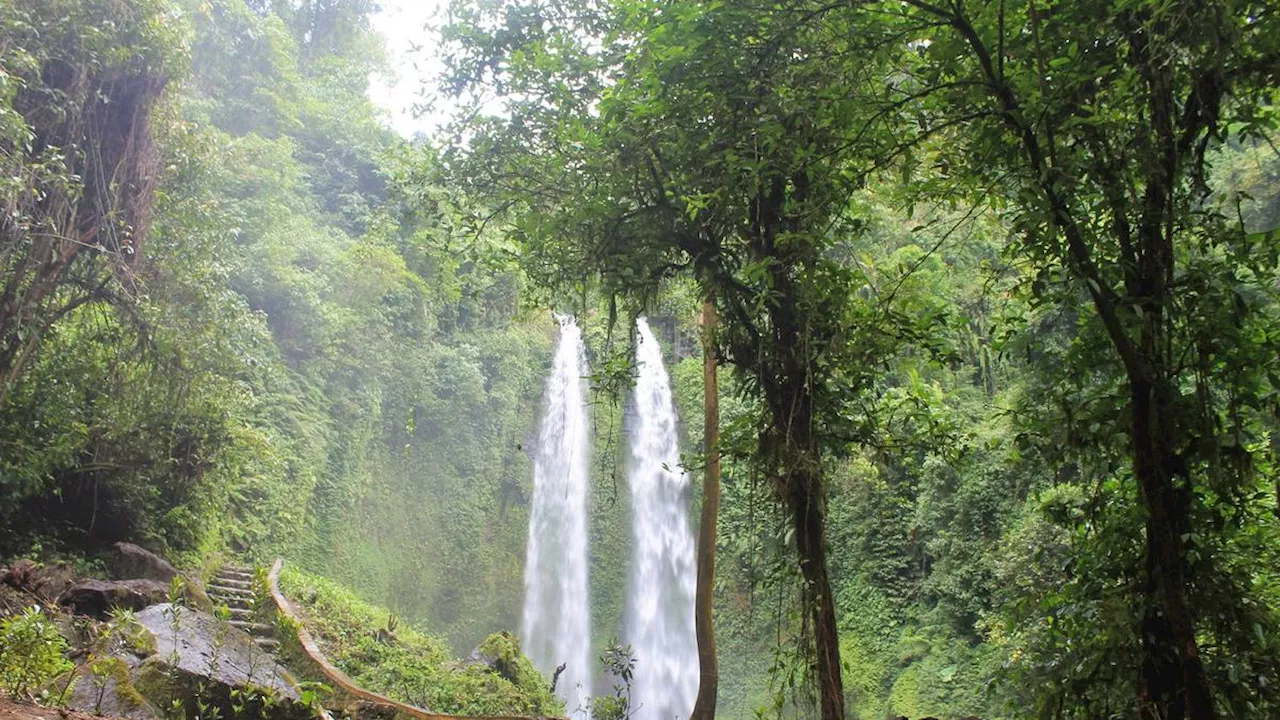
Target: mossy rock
(501, 652)
(194, 595)
(112, 692)
(165, 686)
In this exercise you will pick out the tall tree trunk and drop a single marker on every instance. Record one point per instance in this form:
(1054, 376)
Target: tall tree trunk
(1182, 690)
(786, 371)
(1174, 682)
(704, 708)
(810, 532)
(804, 491)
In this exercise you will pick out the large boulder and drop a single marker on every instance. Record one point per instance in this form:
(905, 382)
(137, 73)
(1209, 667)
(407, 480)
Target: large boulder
(500, 655)
(201, 645)
(194, 660)
(97, 597)
(133, 562)
(129, 562)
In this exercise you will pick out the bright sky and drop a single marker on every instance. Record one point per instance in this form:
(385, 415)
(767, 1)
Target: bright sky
(409, 28)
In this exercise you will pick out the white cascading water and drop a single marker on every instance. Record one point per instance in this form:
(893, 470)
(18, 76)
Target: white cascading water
(659, 619)
(556, 620)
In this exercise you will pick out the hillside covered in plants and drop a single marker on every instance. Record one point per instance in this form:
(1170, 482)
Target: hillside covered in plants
(962, 325)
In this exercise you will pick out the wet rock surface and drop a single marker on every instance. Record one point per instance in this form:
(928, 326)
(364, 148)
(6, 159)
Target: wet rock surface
(201, 645)
(129, 562)
(199, 661)
(96, 598)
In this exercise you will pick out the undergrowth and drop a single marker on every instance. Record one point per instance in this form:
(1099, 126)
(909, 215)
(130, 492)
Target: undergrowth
(410, 665)
(32, 653)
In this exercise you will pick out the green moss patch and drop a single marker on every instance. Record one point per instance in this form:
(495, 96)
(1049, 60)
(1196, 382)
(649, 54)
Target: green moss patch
(408, 664)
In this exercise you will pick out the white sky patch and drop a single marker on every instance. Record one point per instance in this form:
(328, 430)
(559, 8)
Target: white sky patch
(411, 31)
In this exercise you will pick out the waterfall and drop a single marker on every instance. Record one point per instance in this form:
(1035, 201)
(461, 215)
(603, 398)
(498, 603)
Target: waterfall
(659, 619)
(556, 623)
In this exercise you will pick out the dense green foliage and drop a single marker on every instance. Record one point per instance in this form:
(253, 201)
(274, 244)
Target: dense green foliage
(1030, 436)
(313, 364)
(997, 287)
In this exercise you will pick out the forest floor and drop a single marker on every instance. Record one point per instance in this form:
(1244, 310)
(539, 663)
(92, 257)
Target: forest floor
(18, 710)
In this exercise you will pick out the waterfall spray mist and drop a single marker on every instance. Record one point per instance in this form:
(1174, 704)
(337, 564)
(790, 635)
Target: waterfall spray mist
(556, 625)
(659, 620)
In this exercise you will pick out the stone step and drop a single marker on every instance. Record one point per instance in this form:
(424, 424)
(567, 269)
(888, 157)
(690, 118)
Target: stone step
(234, 575)
(241, 613)
(224, 590)
(231, 583)
(266, 643)
(253, 628)
(232, 603)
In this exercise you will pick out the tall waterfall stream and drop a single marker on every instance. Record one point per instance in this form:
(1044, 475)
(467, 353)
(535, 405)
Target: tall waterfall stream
(659, 614)
(557, 623)
(658, 618)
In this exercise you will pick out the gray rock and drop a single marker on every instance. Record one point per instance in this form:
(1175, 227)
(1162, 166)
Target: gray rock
(96, 597)
(129, 562)
(199, 661)
(202, 645)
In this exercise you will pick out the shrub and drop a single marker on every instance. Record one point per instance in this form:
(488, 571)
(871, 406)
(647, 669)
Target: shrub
(32, 652)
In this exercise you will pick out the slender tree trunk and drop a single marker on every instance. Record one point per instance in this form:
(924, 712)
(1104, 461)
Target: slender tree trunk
(804, 493)
(704, 708)
(1182, 690)
(1275, 455)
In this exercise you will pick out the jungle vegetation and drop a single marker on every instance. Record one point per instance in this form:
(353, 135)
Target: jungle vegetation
(985, 293)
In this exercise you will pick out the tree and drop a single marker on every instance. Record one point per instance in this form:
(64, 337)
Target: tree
(704, 707)
(79, 160)
(1094, 119)
(644, 140)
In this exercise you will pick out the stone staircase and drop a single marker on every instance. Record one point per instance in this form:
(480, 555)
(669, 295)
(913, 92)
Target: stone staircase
(233, 586)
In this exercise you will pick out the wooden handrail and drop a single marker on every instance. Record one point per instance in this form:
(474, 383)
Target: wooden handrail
(341, 681)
